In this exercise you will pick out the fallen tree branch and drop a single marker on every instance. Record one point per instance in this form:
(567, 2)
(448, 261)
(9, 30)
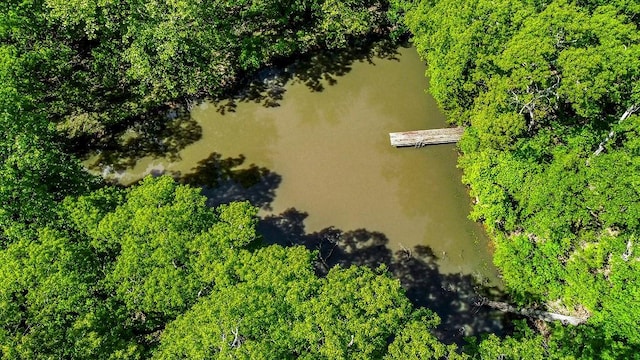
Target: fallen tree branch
(533, 313)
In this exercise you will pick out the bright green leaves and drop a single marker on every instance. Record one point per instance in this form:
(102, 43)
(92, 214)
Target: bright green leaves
(613, 197)
(496, 125)
(279, 309)
(415, 342)
(524, 345)
(434, 29)
(179, 49)
(214, 252)
(166, 236)
(86, 15)
(236, 224)
(493, 191)
(254, 317)
(509, 68)
(600, 65)
(152, 271)
(92, 19)
(139, 259)
(342, 20)
(609, 266)
(85, 212)
(354, 314)
(532, 267)
(624, 287)
(522, 86)
(541, 83)
(459, 40)
(564, 54)
(554, 202)
(47, 298)
(53, 303)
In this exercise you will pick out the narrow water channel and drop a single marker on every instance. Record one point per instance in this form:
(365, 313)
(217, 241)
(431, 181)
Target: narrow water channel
(321, 155)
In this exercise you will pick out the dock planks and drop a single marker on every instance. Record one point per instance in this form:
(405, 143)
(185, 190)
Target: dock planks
(421, 138)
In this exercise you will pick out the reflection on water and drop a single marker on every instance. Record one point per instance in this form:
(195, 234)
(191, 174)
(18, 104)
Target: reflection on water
(321, 146)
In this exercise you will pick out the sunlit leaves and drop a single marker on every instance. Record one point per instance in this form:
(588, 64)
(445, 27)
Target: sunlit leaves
(459, 40)
(47, 301)
(542, 83)
(415, 342)
(524, 345)
(356, 311)
(167, 237)
(278, 308)
(347, 19)
(253, 317)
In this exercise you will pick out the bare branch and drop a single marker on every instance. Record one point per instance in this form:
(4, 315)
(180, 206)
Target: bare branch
(628, 252)
(632, 109)
(237, 339)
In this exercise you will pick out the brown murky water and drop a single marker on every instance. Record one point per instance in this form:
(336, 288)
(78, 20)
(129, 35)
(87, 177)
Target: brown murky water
(328, 155)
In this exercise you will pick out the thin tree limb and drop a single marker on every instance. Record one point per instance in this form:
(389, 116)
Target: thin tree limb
(633, 108)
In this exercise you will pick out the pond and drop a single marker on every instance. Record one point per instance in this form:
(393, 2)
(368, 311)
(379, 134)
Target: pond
(309, 145)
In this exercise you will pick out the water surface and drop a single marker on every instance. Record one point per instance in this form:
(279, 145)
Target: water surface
(314, 155)
(329, 148)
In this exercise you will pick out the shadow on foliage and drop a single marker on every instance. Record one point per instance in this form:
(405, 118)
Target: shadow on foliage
(315, 71)
(454, 297)
(158, 136)
(224, 180)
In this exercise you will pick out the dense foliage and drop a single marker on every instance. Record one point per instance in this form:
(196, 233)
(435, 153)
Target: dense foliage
(151, 271)
(548, 91)
(36, 173)
(89, 272)
(97, 63)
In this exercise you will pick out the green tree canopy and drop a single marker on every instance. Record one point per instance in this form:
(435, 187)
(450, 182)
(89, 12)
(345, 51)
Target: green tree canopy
(548, 91)
(35, 173)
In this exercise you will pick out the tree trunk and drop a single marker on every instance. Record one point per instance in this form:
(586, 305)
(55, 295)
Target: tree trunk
(532, 313)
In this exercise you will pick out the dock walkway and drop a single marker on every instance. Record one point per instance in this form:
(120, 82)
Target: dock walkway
(421, 138)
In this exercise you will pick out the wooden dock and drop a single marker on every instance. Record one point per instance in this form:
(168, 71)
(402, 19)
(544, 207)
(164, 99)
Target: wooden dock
(421, 138)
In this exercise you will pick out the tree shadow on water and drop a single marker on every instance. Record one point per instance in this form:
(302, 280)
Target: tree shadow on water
(156, 136)
(163, 132)
(224, 180)
(315, 71)
(456, 298)
(326, 67)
